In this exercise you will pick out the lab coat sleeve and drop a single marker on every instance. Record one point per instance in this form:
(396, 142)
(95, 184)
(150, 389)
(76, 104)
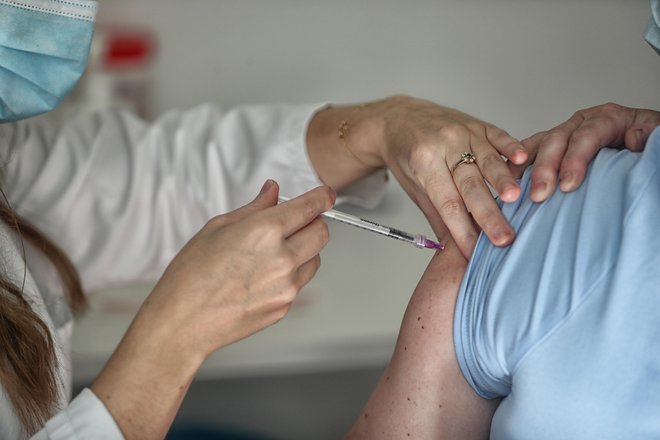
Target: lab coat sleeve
(121, 196)
(85, 418)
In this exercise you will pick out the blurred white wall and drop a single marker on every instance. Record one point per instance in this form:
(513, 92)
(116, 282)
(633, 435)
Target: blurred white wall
(522, 64)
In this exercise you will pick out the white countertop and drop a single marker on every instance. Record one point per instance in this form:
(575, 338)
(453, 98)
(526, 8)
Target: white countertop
(347, 317)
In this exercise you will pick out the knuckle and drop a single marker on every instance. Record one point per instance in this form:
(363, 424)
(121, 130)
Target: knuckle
(324, 232)
(452, 134)
(314, 264)
(320, 200)
(533, 141)
(328, 196)
(309, 210)
(451, 207)
(493, 131)
(467, 237)
(490, 220)
(611, 108)
(543, 171)
(470, 184)
(611, 119)
(579, 114)
(420, 158)
(216, 222)
(285, 261)
(280, 313)
(489, 160)
(400, 99)
(476, 126)
(289, 294)
(289, 259)
(574, 164)
(265, 231)
(554, 136)
(584, 136)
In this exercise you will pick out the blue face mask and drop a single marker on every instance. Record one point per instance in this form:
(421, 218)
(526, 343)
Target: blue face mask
(652, 33)
(43, 52)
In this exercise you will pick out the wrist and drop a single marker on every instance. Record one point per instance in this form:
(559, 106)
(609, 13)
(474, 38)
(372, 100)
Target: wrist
(146, 378)
(362, 132)
(160, 331)
(150, 349)
(345, 143)
(377, 132)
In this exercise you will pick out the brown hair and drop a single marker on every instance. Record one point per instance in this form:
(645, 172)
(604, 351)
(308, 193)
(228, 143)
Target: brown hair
(27, 354)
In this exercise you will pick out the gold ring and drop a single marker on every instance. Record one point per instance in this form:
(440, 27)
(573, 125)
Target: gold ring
(466, 158)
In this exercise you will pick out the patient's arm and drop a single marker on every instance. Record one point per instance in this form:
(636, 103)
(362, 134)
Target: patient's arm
(422, 393)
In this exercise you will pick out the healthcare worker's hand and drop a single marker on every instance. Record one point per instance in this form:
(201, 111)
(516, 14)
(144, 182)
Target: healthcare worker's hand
(423, 143)
(236, 276)
(242, 271)
(565, 150)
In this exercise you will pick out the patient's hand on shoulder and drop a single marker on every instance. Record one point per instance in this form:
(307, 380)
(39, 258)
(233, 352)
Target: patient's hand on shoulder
(422, 393)
(565, 150)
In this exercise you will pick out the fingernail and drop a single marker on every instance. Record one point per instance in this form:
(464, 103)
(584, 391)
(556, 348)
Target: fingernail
(503, 236)
(539, 191)
(509, 193)
(520, 156)
(539, 187)
(566, 180)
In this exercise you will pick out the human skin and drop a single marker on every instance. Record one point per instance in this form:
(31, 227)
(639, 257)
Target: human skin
(419, 141)
(239, 274)
(422, 393)
(565, 150)
(219, 290)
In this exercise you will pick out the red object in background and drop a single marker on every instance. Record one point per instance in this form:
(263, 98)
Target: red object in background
(120, 68)
(118, 74)
(125, 47)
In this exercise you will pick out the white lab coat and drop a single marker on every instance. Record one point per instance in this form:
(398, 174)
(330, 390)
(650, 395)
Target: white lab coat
(121, 197)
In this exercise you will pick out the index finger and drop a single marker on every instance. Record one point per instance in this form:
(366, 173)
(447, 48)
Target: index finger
(294, 214)
(481, 204)
(447, 201)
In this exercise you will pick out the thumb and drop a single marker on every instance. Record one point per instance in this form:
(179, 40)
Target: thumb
(267, 196)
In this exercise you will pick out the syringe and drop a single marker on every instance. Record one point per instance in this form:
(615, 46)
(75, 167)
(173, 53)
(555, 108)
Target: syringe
(417, 240)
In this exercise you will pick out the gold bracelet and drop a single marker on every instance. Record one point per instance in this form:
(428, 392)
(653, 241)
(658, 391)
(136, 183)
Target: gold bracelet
(342, 129)
(342, 133)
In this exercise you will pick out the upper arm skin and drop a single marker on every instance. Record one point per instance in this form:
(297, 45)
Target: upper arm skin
(422, 393)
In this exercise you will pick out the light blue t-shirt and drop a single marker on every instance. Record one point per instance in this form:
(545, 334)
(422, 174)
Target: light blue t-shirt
(652, 31)
(565, 323)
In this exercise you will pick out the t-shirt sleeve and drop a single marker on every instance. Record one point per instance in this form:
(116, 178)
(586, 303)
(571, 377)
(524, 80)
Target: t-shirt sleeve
(513, 299)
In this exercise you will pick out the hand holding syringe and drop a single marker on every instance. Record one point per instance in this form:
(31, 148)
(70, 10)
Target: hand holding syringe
(417, 240)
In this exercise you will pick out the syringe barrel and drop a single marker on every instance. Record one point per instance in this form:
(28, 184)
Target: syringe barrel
(355, 221)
